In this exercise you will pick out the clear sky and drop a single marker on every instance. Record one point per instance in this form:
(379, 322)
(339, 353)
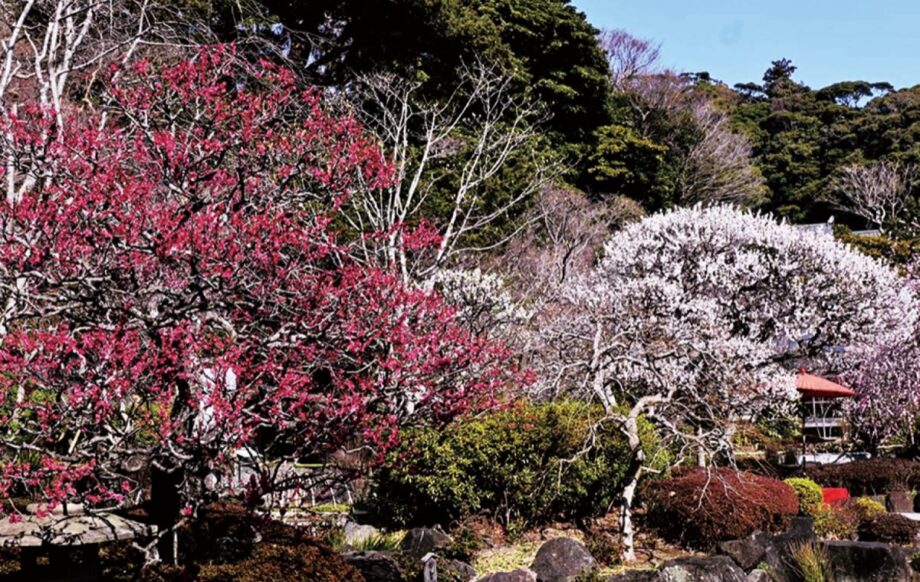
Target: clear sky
(735, 40)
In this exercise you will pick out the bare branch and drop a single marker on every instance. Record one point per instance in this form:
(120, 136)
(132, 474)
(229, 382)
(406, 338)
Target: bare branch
(876, 193)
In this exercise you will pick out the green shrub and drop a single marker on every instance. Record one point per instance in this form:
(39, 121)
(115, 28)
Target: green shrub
(836, 522)
(868, 509)
(527, 464)
(809, 493)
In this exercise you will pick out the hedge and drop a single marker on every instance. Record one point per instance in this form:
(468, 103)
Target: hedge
(891, 528)
(869, 477)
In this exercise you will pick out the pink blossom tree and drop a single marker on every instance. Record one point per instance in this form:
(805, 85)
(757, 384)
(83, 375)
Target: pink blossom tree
(886, 408)
(173, 290)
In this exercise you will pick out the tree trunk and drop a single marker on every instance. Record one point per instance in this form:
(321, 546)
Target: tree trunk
(629, 492)
(701, 450)
(165, 508)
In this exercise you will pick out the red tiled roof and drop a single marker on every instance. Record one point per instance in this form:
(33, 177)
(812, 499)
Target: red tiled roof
(817, 387)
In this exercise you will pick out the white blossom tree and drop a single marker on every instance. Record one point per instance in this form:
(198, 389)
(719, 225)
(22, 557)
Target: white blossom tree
(886, 409)
(697, 317)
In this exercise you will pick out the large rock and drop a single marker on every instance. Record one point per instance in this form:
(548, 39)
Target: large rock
(779, 555)
(356, 533)
(423, 540)
(562, 559)
(455, 570)
(868, 562)
(708, 569)
(759, 576)
(519, 575)
(778, 567)
(801, 526)
(375, 566)
(746, 552)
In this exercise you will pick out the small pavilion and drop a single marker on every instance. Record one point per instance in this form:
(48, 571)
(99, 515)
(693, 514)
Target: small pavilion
(822, 406)
(822, 416)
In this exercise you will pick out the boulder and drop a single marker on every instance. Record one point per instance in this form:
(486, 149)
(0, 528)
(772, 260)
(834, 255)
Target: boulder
(375, 566)
(775, 565)
(519, 575)
(561, 560)
(423, 540)
(746, 552)
(759, 576)
(455, 570)
(708, 569)
(868, 562)
(802, 525)
(900, 502)
(356, 533)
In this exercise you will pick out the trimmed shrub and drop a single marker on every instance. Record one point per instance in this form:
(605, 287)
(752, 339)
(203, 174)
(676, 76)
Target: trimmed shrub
(868, 508)
(891, 528)
(808, 492)
(869, 477)
(227, 532)
(836, 521)
(528, 464)
(702, 507)
(306, 562)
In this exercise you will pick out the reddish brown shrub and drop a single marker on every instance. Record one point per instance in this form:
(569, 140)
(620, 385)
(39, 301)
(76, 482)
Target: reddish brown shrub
(891, 528)
(309, 561)
(869, 477)
(702, 507)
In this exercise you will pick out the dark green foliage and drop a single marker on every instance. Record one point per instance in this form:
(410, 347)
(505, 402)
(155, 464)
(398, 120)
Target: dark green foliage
(547, 45)
(626, 163)
(802, 137)
(531, 463)
(898, 253)
(702, 507)
(891, 528)
(870, 477)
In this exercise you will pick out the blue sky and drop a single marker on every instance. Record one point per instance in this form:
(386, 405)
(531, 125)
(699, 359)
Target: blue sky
(828, 40)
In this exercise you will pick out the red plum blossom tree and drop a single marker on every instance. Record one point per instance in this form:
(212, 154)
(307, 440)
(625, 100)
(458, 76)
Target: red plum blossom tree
(173, 290)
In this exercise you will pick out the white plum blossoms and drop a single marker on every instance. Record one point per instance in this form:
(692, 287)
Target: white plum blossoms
(724, 305)
(696, 317)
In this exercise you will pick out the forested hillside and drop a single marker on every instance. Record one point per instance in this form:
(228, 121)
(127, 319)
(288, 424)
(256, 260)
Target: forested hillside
(618, 122)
